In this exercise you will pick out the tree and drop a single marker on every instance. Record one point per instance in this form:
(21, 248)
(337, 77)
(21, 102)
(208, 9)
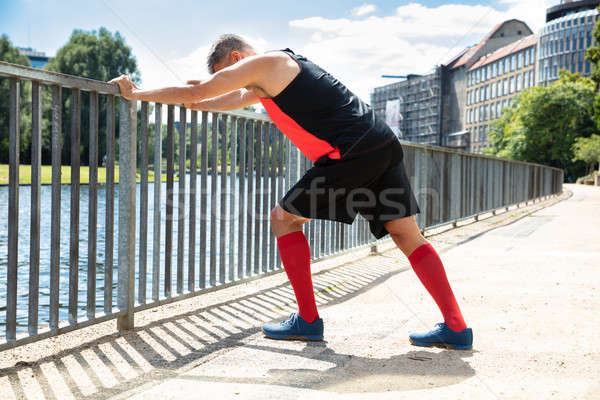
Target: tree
(96, 55)
(593, 55)
(9, 53)
(542, 124)
(587, 150)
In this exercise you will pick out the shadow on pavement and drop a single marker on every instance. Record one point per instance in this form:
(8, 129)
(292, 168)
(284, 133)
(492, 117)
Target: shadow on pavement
(117, 365)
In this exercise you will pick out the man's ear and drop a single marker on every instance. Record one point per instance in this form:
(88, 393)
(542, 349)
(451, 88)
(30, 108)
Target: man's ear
(236, 56)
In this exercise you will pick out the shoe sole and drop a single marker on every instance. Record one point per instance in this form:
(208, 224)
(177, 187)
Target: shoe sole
(442, 345)
(308, 338)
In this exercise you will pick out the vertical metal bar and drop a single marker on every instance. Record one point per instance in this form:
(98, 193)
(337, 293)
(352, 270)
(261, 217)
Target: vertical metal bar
(250, 196)
(242, 199)
(213, 199)
(157, 201)
(193, 202)
(203, 200)
(169, 208)
(230, 216)
(110, 204)
(74, 227)
(127, 164)
(34, 231)
(181, 199)
(13, 210)
(223, 207)
(265, 262)
(92, 206)
(274, 157)
(257, 199)
(143, 252)
(56, 189)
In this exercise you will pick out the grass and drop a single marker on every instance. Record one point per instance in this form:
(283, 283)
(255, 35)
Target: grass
(84, 175)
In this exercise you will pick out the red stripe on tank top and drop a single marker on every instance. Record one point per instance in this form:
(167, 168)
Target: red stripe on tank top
(310, 145)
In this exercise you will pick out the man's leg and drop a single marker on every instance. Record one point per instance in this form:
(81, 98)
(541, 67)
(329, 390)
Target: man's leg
(428, 267)
(295, 256)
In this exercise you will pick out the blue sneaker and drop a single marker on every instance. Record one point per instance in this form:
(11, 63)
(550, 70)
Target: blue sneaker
(295, 328)
(442, 336)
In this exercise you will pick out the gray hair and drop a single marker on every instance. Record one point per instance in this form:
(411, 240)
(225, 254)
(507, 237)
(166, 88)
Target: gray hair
(222, 47)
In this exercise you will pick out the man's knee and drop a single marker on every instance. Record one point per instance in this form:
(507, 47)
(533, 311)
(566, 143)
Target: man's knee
(282, 220)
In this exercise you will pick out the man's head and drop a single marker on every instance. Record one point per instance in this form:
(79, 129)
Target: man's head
(227, 50)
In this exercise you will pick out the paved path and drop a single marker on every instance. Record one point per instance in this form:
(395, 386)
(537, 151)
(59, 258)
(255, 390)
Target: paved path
(529, 285)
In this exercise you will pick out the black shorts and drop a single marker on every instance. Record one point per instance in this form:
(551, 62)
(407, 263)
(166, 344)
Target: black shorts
(373, 184)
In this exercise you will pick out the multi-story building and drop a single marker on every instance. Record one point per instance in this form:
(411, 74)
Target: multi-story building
(37, 59)
(492, 82)
(416, 105)
(565, 38)
(454, 82)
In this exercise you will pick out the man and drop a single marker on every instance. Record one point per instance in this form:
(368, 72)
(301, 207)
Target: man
(357, 169)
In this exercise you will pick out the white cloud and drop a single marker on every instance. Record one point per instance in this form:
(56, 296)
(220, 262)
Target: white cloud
(411, 40)
(363, 10)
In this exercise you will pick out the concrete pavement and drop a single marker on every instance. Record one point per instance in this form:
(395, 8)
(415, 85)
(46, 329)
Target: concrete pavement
(528, 285)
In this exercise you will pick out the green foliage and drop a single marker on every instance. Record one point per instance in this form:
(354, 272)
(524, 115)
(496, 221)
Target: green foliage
(542, 124)
(9, 53)
(587, 150)
(98, 55)
(593, 55)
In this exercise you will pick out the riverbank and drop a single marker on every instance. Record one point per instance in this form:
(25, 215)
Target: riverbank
(84, 175)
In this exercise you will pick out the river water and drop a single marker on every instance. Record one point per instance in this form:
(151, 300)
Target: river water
(233, 214)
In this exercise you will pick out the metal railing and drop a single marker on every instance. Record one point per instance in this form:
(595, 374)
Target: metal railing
(217, 215)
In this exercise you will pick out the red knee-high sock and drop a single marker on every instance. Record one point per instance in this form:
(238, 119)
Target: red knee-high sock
(430, 270)
(295, 256)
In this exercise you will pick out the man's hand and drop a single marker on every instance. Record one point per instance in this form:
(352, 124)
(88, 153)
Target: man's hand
(126, 86)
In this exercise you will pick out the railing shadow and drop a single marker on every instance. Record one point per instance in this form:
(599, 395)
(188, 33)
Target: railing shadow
(167, 348)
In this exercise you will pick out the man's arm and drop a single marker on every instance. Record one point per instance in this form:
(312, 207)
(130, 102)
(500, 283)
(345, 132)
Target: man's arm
(229, 101)
(245, 72)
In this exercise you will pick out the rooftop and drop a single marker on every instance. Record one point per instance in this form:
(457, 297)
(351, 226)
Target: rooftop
(502, 52)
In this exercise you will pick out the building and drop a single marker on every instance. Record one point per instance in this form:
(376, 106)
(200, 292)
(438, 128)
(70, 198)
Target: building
(412, 107)
(565, 38)
(492, 82)
(454, 80)
(37, 58)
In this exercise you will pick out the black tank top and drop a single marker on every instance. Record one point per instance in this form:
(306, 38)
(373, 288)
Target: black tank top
(323, 118)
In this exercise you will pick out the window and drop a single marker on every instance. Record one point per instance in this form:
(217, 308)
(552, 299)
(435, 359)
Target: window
(493, 90)
(498, 110)
(478, 75)
(526, 57)
(476, 100)
(476, 114)
(512, 84)
(587, 67)
(494, 70)
(519, 83)
(500, 67)
(520, 62)
(588, 38)
(505, 92)
(492, 112)
(506, 65)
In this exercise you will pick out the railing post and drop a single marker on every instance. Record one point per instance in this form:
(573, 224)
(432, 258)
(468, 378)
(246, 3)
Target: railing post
(127, 169)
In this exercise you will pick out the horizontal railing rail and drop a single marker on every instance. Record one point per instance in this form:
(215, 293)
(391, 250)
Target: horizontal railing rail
(205, 227)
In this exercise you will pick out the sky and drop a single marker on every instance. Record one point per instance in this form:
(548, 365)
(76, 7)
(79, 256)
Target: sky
(356, 41)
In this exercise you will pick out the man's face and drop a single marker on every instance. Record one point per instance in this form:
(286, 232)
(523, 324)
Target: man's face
(233, 57)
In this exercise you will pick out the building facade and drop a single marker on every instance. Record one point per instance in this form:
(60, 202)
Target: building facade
(492, 82)
(412, 107)
(454, 83)
(37, 59)
(565, 38)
